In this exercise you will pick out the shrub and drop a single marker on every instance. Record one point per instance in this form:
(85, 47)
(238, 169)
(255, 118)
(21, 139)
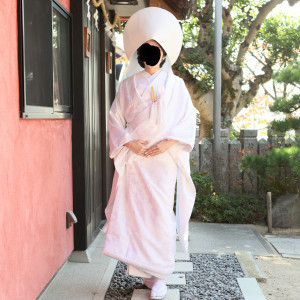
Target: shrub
(231, 208)
(204, 183)
(278, 170)
(223, 207)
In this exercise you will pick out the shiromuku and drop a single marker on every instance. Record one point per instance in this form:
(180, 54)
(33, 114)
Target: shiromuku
(152, 130)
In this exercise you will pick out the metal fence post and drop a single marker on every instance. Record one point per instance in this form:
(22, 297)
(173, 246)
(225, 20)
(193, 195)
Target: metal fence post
(217, 88)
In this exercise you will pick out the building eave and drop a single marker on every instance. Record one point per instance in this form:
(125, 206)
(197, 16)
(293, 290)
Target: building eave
(181, 9)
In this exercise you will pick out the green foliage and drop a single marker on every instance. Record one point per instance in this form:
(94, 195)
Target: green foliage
(204, 183)
(190, 32)
(123, 23)
(244, 13)
(278, 170)
(223, 207)
(289, 76)
(231, 208)
(234, 134)
(285, 125)
(280, 36)
(287, 106)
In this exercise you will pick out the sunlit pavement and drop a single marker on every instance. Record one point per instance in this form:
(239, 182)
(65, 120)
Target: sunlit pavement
(90, 281)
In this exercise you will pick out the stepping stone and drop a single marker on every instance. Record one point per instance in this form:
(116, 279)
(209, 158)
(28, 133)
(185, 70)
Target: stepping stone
(285, 245)
(183, 266)
(173, 294)
(250, 289)
(182, 256)
(176, 279)
(291, 256)
(250, 267)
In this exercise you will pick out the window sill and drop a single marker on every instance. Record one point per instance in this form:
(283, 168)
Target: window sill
(31, 115)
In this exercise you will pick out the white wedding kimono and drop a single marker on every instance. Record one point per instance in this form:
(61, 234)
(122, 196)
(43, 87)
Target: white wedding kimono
(141, 225)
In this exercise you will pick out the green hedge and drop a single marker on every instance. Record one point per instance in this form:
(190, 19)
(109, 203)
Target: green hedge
(278, 170)
(224, 207)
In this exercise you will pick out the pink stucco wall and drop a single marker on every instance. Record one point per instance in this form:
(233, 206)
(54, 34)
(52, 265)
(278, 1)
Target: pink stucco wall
(35, 181)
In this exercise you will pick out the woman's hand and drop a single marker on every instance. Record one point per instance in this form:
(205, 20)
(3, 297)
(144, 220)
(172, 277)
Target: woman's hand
(160, 147)
(138, 147)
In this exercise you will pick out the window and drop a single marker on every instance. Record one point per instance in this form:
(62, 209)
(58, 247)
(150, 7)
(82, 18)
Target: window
(46, 60)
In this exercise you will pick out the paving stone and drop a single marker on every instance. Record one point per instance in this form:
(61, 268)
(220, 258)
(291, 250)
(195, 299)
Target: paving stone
(173, 294)
(105, 282)
(182, 256)
(227, 238)
(210, 274)
(285, 245)
(250, 289)
(250, 267)
(291, 256)
(176, 279)
(183, 266)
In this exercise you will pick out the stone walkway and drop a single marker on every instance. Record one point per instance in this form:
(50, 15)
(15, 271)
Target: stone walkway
(198, 276)
(286, 246)
(210, 246)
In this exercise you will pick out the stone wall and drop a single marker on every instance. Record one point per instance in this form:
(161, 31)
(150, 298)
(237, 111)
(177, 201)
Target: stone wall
(231, 155)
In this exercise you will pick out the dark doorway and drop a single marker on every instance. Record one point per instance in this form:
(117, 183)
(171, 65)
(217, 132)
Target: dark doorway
(94, 90)
(93, 84)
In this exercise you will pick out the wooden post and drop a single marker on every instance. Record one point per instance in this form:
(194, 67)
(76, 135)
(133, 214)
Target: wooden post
(269, 211)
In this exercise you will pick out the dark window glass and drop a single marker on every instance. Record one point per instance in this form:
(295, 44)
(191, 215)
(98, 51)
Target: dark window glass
(61, 61)
(38, 53)
(46, 53)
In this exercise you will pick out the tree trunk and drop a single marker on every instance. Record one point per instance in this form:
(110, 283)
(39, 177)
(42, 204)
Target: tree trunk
(204, 104)
(231, 94)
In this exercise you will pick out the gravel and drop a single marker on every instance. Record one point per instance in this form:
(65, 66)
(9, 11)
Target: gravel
(213, 278)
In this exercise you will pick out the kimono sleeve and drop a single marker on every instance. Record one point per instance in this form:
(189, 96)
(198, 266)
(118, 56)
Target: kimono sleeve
(184, 129)
(118, 134)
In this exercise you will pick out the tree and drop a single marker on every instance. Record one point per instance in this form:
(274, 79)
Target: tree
(257, 115)
(288, 76)
(243, 25)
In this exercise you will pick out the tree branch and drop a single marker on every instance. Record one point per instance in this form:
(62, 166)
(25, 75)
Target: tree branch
(182, 72)
(266, 91)
(284, 90)
(196, 56)
(274, 89)
(227, 21)
(295, 85)
(254, 28)
(196, 13)
(205, 17)
(246, 98)
(263, 63)
(230, 6)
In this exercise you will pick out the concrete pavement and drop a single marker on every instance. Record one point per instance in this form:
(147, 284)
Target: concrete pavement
(89, 281)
